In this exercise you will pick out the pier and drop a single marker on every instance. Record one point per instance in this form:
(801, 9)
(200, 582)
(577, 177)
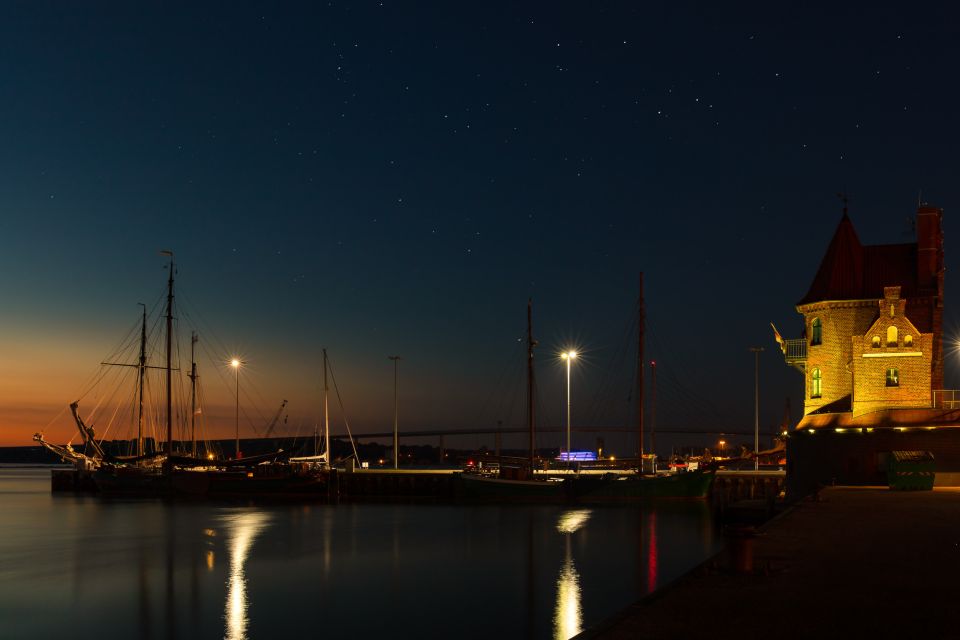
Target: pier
(849, 560)
(753, 492)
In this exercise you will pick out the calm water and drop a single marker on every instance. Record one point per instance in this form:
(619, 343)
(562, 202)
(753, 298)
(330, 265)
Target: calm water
(80, 567)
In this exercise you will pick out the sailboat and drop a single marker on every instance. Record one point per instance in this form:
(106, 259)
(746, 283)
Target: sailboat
(520, 482)
(151, 474)
(165, 472)
(273, 476)
(644, 483)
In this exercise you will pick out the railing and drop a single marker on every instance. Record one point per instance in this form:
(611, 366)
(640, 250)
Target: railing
(946, 399)
(795, 350)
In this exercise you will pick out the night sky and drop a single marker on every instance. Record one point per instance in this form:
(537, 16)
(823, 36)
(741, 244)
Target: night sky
(386, 178)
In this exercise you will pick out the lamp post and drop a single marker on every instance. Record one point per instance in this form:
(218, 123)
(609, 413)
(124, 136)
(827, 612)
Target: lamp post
(396, 409)
(568, 356)
(756, 406)
(235, 363)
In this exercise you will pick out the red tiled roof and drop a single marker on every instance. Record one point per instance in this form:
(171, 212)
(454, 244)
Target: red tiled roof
(851, 271)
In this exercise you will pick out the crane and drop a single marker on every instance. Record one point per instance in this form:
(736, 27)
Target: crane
(276, 418)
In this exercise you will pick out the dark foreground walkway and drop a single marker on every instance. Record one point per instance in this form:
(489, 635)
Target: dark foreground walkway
(858, 563)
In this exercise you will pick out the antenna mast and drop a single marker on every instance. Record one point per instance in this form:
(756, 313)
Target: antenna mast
(193, 395)
(531, 416)
(169, 353)
(653, 412)
(143, 367)
(396, 411)
(326, 410)
(641, 319)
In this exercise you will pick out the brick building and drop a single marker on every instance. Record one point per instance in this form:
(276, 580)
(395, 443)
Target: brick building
(871, 355)
(873, 319)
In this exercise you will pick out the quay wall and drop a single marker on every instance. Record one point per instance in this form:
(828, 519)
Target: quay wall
(824, 457)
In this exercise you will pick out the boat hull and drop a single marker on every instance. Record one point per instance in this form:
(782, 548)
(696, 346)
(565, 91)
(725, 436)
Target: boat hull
(213, 484)
(610, 488)
(485, 489)
(131, 482)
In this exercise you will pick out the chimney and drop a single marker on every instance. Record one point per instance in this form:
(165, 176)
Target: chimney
(929, 251)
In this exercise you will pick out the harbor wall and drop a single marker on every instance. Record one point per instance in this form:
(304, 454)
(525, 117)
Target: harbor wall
(822, 457)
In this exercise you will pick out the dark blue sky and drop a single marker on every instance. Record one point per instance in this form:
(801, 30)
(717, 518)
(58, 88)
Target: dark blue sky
(385, 178)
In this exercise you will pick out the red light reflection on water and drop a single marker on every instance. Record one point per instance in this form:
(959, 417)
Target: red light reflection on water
(652, 552)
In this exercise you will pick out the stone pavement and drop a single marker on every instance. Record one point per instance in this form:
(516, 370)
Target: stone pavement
(855, 563)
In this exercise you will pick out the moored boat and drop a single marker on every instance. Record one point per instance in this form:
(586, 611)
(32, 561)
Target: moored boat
(519, 483)
(475, 487)
(612, 487)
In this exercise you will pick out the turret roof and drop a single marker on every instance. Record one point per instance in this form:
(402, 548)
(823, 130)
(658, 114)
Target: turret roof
(852, 271)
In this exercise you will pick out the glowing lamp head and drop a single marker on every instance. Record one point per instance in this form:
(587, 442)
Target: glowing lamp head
(235, 363)
(568, 355)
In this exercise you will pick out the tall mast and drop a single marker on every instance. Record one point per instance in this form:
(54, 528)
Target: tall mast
(641, 320)
(326, 410)
(653, 412)
(396, 410)
(143, 368)
(531, 416)
(193, 395)
(169, 355)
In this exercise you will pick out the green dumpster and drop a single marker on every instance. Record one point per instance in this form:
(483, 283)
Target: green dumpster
(910, 471)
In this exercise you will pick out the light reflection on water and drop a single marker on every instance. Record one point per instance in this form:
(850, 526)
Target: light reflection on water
(568, 617)
(242, 529)
(154, 570)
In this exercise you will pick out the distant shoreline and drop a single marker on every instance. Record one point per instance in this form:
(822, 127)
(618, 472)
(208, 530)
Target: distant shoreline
(32, 465)
(34, 455)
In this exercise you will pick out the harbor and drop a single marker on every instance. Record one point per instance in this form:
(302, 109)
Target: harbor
(187, 569)
(435, 485)
(478, 320)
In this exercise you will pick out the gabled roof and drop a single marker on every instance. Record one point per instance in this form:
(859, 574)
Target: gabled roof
(851, 271)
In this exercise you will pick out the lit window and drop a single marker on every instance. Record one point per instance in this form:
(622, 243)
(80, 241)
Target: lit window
(893, 378)
(891, 336)
(815, 332)
(908, 340)
(875, 343)
(816, 384)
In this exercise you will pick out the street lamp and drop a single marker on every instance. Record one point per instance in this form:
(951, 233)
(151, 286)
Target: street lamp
(568, 356)
(756, 407)
(723, 443)
(396, 409)
(235, 363)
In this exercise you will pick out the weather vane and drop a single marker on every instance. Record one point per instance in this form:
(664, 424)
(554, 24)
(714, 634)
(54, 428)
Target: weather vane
(845, 199)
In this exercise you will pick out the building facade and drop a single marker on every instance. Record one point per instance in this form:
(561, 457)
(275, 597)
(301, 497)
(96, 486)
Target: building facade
(873, 334)
(871, 354)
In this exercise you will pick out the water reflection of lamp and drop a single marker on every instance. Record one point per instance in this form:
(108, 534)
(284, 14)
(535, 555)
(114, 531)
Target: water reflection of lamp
(243, 529)
(570, 521)
(568, 616)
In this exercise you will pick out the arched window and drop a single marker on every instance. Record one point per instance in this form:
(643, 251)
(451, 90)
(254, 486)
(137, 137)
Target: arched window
(891, 336)
(893, 378)
(815, 332)
(908, 340)
(875, 343)
(815, 384)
